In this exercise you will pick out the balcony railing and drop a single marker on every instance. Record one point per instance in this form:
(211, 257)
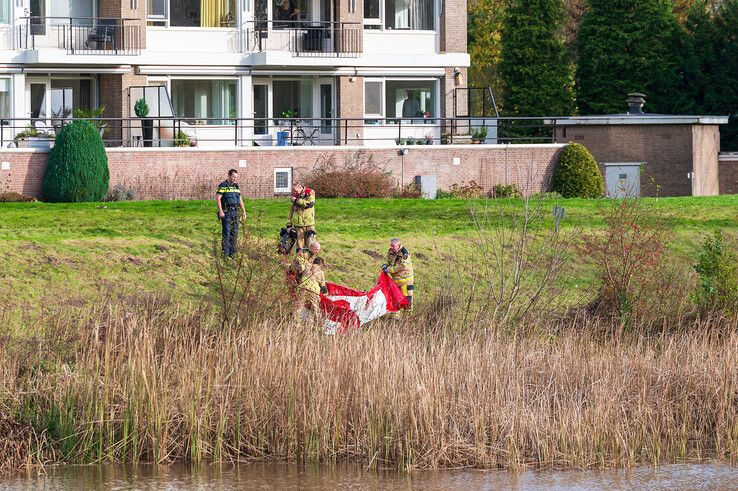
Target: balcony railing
(80, 35)
(247, 132)
(305, 38)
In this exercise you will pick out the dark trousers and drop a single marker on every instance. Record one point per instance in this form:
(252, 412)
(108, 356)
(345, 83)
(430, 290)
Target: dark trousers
(230, 231)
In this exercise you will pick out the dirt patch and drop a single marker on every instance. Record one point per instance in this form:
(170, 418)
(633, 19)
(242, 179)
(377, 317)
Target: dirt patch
(161, 248)
(421, 256)
(51, 260)
(373, 254)
(134, 260)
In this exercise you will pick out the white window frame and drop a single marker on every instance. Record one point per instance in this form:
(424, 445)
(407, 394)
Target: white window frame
(437, 6)
(287, 189)
(208, 77)
(383, 95)
(166, 18)
(11, 13)
(10, 98)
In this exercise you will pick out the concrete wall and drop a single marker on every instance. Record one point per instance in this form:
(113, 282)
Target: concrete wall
(728, 172)
(194, 173)
(669, 153)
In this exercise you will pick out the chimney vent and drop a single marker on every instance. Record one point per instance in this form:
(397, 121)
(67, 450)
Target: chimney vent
(635, 103)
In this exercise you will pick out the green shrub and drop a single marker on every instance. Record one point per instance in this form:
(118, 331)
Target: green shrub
(577, 175)
(182, 140)
(506, 191)
(717, 266)
(141, 108)
(78, 165)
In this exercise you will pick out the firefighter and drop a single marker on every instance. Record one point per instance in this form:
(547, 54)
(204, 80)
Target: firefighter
(302, 216)
(400, 268)
(297, 267)
(311, 284)
(228, 198)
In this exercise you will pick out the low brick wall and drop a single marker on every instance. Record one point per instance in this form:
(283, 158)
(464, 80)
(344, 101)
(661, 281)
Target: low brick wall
(173, 173)
(728, 172)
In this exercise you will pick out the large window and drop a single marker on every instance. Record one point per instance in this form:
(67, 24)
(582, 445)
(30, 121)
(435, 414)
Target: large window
(205, 101)
(415, 15)
(192, 13)
(4, 98)
(68, 95)
(5, 12)
(409, 99)
(292, 98)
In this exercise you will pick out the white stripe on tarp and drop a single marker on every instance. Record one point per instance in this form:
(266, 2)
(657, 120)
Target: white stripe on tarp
(366, 310)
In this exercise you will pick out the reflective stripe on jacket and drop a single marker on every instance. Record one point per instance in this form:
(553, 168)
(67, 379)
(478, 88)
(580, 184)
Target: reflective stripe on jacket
(302, 212)
(400, 266)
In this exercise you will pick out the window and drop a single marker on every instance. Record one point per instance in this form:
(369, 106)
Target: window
(286, 13)
(372, 14)
(415, 15)
(373, 98)
(68, 95)
(260, 109)
(192, 13)
(5, 12)
(410, 98)
(282, 179)
(205, 101)
(4, 97)
(292, 97)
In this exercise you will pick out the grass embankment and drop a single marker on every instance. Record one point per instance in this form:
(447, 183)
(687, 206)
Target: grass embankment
(121, 353)
(78, 251)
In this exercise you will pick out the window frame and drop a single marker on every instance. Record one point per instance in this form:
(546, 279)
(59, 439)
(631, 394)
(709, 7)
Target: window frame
(287, 189)
(383, 117)
(10, 98)
(209, 77)
(165, 21)
(379, 24)
(382, 95)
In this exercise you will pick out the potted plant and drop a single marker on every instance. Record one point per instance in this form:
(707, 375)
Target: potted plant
(287, 115)
(182, 140)
(445, 138)
(429, 138)
(30, 137)
(479, 135)
(400, 141)
(94, 116)
(58, 117)
(147, 124)
(411, 141)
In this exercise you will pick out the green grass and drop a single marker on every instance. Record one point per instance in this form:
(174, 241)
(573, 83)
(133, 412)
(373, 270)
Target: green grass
(76, 251)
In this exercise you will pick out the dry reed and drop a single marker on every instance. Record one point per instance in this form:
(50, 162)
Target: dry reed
(146, 384)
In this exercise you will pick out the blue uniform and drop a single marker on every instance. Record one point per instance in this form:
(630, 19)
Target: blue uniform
(230, 198)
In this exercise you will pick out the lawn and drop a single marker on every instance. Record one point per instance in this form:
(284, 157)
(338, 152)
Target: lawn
(75, 251)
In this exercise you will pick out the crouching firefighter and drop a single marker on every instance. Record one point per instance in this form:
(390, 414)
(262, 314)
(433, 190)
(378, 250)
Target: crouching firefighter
(310, 285)
(302, 216)
(400, 268)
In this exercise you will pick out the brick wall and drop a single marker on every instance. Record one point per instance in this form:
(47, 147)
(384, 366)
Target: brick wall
(113, 94)
(351, 105)
(193, 173)
(728, 172)
(666, 152)
(453, 26)
(705, 150)
(121, 9)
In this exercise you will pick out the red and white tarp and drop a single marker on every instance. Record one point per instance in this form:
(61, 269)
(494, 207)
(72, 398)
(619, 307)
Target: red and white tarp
(346, 309)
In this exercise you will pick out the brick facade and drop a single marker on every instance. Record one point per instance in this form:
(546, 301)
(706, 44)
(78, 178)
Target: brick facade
(121, 9)
(350, 96)
(193, 173)
(453, 21)
(113, 94)
(669, 154)
(728, 173)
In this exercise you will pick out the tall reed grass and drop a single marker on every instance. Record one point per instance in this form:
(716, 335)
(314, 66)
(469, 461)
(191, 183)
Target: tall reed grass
(153, 384)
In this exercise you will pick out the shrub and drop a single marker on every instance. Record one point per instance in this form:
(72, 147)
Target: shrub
(506, 191)
(141, 108)
(121, 193)
(182, 140)
(461, 191)
(93, 115)
(11, 197)
(78, 165)
(577, 175)
(357, 177)
(717, 267)
(411, 191)
(630, 259)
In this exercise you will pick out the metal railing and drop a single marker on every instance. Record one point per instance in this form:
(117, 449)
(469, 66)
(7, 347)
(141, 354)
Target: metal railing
(80, 35)
(177, 131)
(305, 38)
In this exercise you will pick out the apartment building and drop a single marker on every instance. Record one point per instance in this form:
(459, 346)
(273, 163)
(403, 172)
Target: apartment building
(236, 72)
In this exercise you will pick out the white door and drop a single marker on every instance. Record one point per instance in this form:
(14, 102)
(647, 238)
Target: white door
(623, 180)
(326, 105)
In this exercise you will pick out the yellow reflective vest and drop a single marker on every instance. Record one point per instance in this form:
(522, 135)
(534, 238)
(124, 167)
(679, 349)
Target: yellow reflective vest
(400, 266)
(302, 213)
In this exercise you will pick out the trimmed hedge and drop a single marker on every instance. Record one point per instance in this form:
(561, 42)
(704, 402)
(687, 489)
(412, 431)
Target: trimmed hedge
(577, 175)
(78, 166)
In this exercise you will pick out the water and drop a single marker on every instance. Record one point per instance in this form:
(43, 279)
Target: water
(287, 477)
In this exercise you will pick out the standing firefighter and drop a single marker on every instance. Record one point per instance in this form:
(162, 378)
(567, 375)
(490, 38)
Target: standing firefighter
(400, 268)
(228, 198)
(310, 284)
(302, 216)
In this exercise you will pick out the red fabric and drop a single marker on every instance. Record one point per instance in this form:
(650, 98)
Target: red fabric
(340, 310)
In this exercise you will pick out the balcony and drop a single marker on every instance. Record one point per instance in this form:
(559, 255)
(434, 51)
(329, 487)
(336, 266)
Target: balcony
(320, 39)
(80, 35)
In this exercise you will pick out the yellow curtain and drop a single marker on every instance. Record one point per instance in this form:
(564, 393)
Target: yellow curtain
(212, 12)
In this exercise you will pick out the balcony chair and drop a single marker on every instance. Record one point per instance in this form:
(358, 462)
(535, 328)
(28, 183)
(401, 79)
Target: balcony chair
(100, 34)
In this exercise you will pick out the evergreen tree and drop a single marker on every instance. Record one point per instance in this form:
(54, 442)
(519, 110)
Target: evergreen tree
(721, 93)
(484, 25)
(536, 73)
(78, 165)
(628, 46)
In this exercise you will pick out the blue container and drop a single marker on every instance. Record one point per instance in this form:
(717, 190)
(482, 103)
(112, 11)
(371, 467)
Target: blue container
(282, 138)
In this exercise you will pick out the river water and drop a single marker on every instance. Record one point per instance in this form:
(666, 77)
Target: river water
(288, 477)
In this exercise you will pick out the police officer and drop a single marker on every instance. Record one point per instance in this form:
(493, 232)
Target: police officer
(228, 198)
(400, 268)
(302, 216)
